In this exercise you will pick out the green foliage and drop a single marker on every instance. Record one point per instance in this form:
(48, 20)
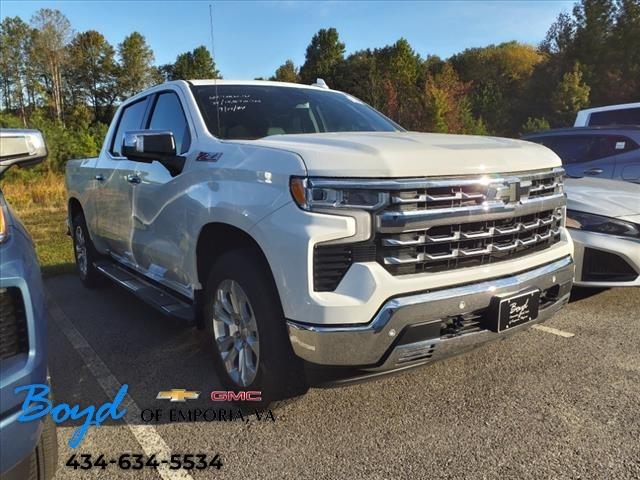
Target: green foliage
(448, 108)
(194, 65)
(323, 57)
(287, 72)
(603, 36)
(136, 71)
(68, 84)
(571, 95)
(92, 72)
(499, 76)
(534, 125)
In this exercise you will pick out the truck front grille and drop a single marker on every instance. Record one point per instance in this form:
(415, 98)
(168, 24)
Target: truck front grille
(433, 225)
(447, 247)
(456, 223)
(13, 324)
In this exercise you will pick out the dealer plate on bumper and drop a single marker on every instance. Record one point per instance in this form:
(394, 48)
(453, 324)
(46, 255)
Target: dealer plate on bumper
(515, 310)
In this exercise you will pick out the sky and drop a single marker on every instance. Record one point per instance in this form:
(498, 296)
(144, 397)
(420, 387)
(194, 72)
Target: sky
(251, 39)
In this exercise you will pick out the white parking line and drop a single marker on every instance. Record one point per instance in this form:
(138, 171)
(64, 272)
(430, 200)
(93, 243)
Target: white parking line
(555, 331)
(146, 435)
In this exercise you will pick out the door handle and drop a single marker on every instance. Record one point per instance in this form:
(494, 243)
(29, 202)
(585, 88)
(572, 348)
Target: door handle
(99, 178)
(593, 171)
(131, 178)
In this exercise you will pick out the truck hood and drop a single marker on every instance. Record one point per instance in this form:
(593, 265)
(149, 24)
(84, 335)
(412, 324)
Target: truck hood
(610, 198)
(410, 154)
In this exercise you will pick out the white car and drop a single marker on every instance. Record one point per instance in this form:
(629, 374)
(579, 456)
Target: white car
(295, 222)
(622, 114)
(603, 217)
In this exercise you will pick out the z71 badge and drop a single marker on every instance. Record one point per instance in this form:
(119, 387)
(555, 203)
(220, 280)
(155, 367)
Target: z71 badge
(208, 156)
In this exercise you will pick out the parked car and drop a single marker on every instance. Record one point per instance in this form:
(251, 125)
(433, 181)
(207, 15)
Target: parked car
(27, 450)
(603, 152)
(296, 223)
(604, 219)
(622, 114)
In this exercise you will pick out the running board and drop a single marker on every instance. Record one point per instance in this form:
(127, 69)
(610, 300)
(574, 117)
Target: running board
(153, 295)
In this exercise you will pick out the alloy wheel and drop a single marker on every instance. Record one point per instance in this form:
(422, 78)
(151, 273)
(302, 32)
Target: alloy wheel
(81, 250)
(236, 332)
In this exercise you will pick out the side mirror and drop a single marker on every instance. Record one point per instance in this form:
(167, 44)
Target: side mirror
(21, 147)
(149, 145)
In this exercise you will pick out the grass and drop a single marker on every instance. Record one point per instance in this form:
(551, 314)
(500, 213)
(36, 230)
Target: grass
(40, 203)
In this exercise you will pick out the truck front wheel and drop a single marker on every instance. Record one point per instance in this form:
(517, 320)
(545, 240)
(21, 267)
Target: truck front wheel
(84, 252)
(244, 320)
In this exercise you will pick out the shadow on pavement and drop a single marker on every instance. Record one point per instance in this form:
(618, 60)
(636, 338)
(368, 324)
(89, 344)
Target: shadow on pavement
(140, 347)
(581, 293)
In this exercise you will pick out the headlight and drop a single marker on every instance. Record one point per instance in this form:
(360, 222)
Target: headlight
(320, 194)
(600, 224)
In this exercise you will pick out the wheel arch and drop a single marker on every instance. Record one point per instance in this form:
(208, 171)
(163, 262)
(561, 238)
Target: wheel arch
(214, 240)
(73, 208)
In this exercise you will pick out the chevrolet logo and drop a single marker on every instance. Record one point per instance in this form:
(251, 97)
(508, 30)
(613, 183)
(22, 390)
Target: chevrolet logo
(178, 395)
(510, 192)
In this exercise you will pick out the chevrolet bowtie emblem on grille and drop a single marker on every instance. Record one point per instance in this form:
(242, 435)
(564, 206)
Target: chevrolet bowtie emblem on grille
(178, 395)
(510, 192)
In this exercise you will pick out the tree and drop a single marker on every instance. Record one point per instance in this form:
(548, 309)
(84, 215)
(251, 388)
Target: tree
(571, 95)
(53, 33)
(193, 65)
(15, 38)
(500, 76)
(399, 67)
(447, 106)
(560, 36)
(626, 51)
(359, 76)
(323, 57)
(136, 71)
(534, 125)
(92, 70)
(287, 72)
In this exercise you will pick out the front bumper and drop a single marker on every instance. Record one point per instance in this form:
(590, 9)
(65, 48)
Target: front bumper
(616, 250)
(408, 330)
(19, 269)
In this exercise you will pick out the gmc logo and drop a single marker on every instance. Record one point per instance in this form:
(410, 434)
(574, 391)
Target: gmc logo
(230, 396)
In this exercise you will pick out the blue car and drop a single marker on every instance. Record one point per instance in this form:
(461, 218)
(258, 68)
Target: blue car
(603, 152)
(27, 450)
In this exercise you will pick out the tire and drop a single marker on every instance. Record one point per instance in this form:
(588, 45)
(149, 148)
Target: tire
(49, 448)
(85, 253)
(43, 461)
(278, 373)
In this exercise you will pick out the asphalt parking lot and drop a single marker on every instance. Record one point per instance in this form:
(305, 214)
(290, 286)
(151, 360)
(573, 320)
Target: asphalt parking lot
(536, 405)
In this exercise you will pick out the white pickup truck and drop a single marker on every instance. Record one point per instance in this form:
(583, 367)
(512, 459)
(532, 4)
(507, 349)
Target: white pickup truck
(303, 229)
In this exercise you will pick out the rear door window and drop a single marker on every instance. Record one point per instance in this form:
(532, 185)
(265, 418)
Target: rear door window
(602, 147)
(624, 144)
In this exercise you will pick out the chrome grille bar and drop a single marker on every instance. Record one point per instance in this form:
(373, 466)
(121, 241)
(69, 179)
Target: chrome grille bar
(397, 184)
(442, 224)
(518, 227)
(466, 252)
(394, 221)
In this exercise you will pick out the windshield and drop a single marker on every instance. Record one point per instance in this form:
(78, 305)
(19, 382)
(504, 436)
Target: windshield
(254, 111)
